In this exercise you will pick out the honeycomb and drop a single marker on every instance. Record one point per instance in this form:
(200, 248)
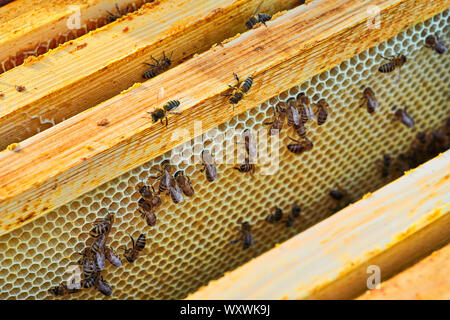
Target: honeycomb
(190, 245)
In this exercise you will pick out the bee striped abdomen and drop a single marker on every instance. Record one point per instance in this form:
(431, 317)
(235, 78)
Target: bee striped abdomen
(170, 105)
(246, 167)
(247, 84)
(387, 67)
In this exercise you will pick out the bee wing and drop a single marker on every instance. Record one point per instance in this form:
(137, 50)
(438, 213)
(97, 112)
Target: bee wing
(258, 7)
(100, 260)
(176, 194)
(310, 112)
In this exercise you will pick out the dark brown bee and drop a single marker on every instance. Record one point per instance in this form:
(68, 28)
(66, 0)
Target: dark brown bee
(294, 214)
(239, 90)
(293, 116)
(246, 236)
(104, 287)
(62, 290)
(300, 146)
(90, 282)
(144, 205)
(337, 194)
(250, 145)
(300, 129)
(322, 112)
(277, 124)
(371, 101)
(185, 183)
(432, 41)
(275, 216)
(89, 268)
(113, 17)
(102, 226)
(132, 254)
(304, 104)
(257, 18)
(246, 167)
(394, 62)
(149, 217)
(150, 199)
(161, 113)
(159, 67)
(209, 166)
(112, 257)
(167, 182)
(404, 117)
(386, 166)
(20, 88)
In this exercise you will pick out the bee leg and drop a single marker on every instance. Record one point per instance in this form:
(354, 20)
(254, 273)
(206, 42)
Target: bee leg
(264, 23)
(237, 79)
(150, 65)
(234, 241)
(157, 62)
(118, 9)
(167, 122)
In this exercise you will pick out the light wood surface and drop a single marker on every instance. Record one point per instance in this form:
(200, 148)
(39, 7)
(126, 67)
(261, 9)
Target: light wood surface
(93, 68)
(32, 27)
(389, 229)
(69, 159)
(427, 280)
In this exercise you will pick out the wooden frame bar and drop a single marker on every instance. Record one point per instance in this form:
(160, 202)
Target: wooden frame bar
(389, 229)
(93, 68)
(67, 160)
(426, 280)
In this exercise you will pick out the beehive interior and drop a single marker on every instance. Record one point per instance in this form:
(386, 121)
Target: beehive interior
(190, 245)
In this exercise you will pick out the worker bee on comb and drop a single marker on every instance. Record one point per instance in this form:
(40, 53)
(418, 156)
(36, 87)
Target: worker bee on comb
(304, 104)
(371, 101)
(149, 196)
(62, 290)
(184, 182)
(158, 67)
(246, 236)
(167, 182)
(258, 17)
(322, 112)
(300, 146)
(394, 62)
(132, 254)
(403, 116)
(278, 122)
(113, 17)
(433, 42)
(275, 216)
(161, 113)
(102, 226)
(209, 166)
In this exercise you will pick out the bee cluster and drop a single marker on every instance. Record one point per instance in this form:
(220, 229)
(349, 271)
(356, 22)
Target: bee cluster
(297, 112)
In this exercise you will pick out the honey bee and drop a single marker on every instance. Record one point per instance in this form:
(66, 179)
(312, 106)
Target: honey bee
(150, 199)
(304, 104)
(20, 88)
(294, 214)
(322, 112)
(104, 287)
(257, 18)
(277, 124)
(239, 90)
(386, 166)
(342, 198)
(293, 116)
(89, 267)
(90, 282)
(337, 194)
(102, 226)
(161, 113)
(185, 183)
(372, 103)
(98, 247)
(159, 67)
(404, 117)
(132, 254)
(249, 142)
(394, 62)
(300, 146)
(167, 182)
(209, 166)
(246, 167)
(149, 217)
(246, 236)
(112, 257)
(62, 290)
(275, 216)
(432, 41)
(113, 17)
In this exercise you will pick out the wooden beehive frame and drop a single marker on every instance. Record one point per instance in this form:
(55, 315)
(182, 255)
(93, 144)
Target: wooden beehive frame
(388, 229)
(59, 164)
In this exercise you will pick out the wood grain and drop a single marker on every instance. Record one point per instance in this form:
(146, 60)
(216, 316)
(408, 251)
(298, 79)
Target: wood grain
(93, 68)
(389, 229)
(426, 280)
(69, 159)
(30, 28)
